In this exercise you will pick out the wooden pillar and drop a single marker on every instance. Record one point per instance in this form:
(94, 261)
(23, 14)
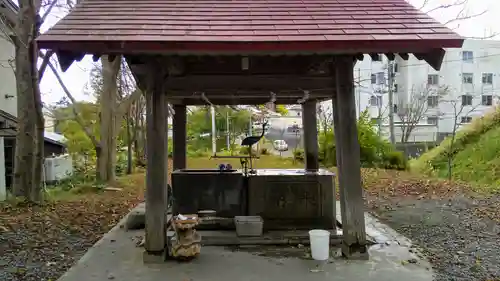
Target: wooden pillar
(310, 127)
(179, 136)
(348, 161)
(156, 173)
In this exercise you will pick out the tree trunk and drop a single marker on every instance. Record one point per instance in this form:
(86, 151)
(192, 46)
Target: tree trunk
(129, 145)
(40, 141)
(450, 149)
(36, 192)
(26, 84)
(107, 158)
(135, 130)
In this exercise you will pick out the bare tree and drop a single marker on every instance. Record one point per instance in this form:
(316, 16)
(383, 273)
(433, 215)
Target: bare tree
(411, 112)
(458, 11)
(112, 111)
(462, 107)
(325, 124)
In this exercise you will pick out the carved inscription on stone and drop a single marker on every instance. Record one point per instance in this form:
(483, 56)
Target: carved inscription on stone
(294, 200)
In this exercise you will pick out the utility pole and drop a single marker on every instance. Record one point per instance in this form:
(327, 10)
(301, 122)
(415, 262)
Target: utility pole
(390, 71)
(380, 117)
(250, 125)
(228, 142)
(359, 92)
(214, 131)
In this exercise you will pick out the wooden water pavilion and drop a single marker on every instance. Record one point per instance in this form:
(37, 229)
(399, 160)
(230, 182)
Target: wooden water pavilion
(242, 52)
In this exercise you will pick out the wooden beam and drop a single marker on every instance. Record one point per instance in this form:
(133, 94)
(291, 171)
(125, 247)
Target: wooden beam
(249, 94)
(157, 167)
(351, 192)
(433, 57)
(235, 101)
(359, 57)
(310, 125)
(179, 129)
(65, 59)
(200, 83)
(390, 56)
(374, 56)
(257, 64)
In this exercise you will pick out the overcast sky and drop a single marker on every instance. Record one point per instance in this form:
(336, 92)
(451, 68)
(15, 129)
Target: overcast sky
(76, 78)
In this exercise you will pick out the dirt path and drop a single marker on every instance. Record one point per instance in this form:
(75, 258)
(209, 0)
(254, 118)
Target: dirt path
(459, 233)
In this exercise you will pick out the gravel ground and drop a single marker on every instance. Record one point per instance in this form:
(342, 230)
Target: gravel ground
(44, 262)
(42, 243)
(461, 246)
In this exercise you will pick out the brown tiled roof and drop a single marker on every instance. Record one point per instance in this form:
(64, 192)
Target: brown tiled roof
(299, 24)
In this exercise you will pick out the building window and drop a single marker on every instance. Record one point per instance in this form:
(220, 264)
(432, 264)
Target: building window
(432, 101)
(376, 100)
(488, 78)
(487, 100)
(396, 68)
(466, 100)
(433, 79)
(465, 119)
(380, 78)
(374, 79)
(396, 88)
(377, 57)
(467, 56)
(432, 120)
(467, 78)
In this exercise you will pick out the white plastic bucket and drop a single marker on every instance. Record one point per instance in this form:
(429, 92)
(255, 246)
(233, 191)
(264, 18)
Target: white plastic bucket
(320, 244)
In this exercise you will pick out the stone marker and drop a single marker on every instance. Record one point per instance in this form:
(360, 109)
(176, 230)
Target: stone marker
(137, 218)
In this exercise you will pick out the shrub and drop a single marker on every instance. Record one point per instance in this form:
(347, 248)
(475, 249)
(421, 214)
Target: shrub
(244, 150)
(264, 151)
(374, 151)
(198, 153)
(298, 154)
(394, 160)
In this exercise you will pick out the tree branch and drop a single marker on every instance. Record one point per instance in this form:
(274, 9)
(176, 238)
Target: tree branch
(47, 11)
(78, 117)
(45, 60)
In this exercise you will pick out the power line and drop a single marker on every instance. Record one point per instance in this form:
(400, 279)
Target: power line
(444, 61)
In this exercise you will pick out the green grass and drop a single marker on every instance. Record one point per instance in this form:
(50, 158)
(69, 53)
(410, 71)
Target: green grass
(480, 161)
(74, 190)
(265, 161)
(475, 153)
(375, 181)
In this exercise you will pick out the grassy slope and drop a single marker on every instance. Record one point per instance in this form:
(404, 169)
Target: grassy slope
(474, 153)
(479, 161)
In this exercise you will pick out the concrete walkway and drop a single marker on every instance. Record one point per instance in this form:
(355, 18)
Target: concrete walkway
(116, 257)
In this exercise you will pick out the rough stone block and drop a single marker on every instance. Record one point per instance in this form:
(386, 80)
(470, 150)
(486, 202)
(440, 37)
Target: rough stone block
(137, 218)
(355, 252)
(154, 258)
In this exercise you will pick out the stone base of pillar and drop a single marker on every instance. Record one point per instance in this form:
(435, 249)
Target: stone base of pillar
(154, 257)
(355, 251)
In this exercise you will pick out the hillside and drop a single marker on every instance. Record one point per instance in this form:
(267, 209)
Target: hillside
(476, 153)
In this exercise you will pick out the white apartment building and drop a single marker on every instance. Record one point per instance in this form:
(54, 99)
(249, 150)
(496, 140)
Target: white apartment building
(470, 75)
